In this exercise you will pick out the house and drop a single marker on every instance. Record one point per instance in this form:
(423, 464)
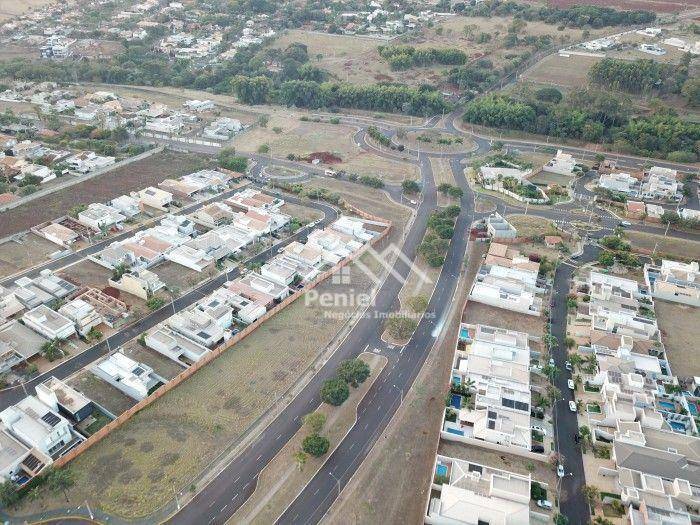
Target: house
(552, 241)
(213, 245)
(260, 284)
(189, 257)
(127, 206)
(44, 173)
(181, 225)
(689, 214)
(562, 163)
(285, 271)
(64, 399)
(333, 244)
(500, 254)
(654, 212)
(59, 234)
(661, 184)
(197, 326)
(9, 305)
(175, 346)
(491, 176)
(674, 281)
(255, 199)
(100, 217)
(354, 227)
(42, 289)
(179, 188)
(84, 315)
(87, 161)
(499, 228)
(304, 253)
(6, 198)
(48, 323)
(134, 379)
(153, 198)
(38, 426)
(503, 294)
(619, 182)
(18, 462)
(214, 215)
(111, 310)
(199, 106)
(18, 343)
(142, 283)
(635, 209)
(464, 492)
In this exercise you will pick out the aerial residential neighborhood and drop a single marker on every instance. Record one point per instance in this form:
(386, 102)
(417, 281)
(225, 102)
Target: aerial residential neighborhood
(350, 262)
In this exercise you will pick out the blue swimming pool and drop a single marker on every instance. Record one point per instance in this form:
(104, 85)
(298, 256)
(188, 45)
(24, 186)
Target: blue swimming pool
(441, 470)
(455, 431)
(463, 333)
(678, 427)
(456, 401)
(456, 380)
(692, 408)
(667, 405)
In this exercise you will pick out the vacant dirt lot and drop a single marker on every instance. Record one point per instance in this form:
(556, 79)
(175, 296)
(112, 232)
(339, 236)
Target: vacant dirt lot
(530, 226)
(680, 333)
(477, 313)
(26, 252)
(164, 367)
(12, 8)
(101, 392)
(670, 247)
(135, 176)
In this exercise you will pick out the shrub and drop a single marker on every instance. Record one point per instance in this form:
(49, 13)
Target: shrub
(335, 391)
(155, 303)
(400, 326)
(315, 445)
(353, 371)
(315, 421)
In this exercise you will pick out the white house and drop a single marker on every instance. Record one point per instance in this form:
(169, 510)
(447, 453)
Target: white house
(88, 161)
(154, 198)
(127, 206)
(48, 323)
(619, 182)
(83, 314)
(98, 216)
(562, 163)
(175, 346)
(135, 379)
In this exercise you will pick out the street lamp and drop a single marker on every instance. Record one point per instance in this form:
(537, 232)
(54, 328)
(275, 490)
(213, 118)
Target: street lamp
(337, 481)
(400, 391)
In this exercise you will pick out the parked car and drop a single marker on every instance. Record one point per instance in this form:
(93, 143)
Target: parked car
(625, 224)
(568, 366)
(572, 406)
(539, 429)
(537, 448)
(544, 504)
(560, 470)
(551, 361)
(570, 384)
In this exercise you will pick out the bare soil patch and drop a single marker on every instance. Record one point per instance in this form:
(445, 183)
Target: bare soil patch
(680, 333)
(670, 247)
(135, 176)
(25, 252)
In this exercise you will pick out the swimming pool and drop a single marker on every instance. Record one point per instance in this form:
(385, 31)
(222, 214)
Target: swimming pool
(441, 470)
(456, 401)
(671, 407)
(464, 333)
(678, 427)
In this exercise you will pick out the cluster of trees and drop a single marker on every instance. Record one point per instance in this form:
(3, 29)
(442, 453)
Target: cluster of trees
(574, 16)
(639, 76)
(672, 217)
(230, 161)
(406, 57)
(350, 372)
(400, 326)
(437, 238)
(378, 136)
(55, 479)
(594, 116)
(448, 189)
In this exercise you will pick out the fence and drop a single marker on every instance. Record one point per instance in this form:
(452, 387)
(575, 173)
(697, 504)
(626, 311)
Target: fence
(185, 140)
(186, 374)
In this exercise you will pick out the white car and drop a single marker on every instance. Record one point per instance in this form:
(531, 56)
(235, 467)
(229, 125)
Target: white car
(544, 504)
(572, 406)
(560, 470)
(571, 385)
(568, 366)
(539, 429)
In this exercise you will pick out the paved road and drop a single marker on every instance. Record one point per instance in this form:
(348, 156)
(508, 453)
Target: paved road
(12, 395)
(572, 503)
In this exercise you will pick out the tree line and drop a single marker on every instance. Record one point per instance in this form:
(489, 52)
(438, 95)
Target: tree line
(406, 57)
(593, 116)
(574, 16)
(639, 76)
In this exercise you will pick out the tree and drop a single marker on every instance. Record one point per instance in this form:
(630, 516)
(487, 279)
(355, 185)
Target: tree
(315, 421)
(598, 520)
(591, 493)
(230, 161)
(251, 90)
(418, 303)
(300, 458)
(315, 445)
(353, 371)
(560, 519)
(400, 327)
(410, 186)
(691, 92)
(52, 350)
(155, 303)
(606, 259)
(335, 391)
(570, 342)
(9, 493)
(60, 479)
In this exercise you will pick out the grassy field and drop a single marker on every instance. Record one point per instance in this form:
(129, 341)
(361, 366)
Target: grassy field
(659, 6)
(282, 479)
(530, 226)
(377, 493)
(557, 70)
(670, 247)
(170, 442)
(680, 332)
(140, 174)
